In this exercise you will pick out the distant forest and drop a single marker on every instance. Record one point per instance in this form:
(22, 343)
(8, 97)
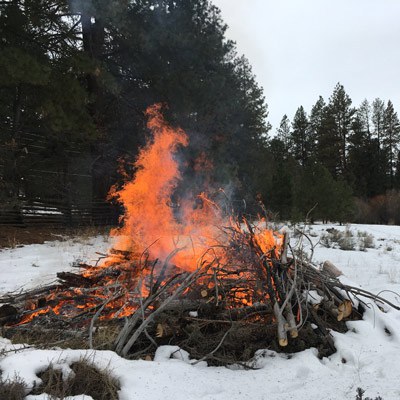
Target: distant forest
(343, 158)
(76, 77)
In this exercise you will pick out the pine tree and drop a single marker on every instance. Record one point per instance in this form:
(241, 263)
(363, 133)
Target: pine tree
(83, 72)
(390, 140)
(300, 137)
(328, 144)
(378, 115)
(342, 115)
(330, 199)
(363, 159)
(283, 134)
(184, 61)
(364, 114)
(280, 194)
(397, 177)
(316, 121)
(40, 93)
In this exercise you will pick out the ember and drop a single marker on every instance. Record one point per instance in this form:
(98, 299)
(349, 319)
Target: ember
(169, 261)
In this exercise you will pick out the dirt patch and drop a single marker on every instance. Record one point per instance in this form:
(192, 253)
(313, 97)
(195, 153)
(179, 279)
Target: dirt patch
(12, 237)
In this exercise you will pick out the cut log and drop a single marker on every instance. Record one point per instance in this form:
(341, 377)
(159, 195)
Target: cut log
(344, 310)
(292, 328)
(28, 295)
(74, 280)
(282, 325)
(330, 269)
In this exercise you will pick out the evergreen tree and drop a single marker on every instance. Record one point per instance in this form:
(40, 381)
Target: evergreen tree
(365, 174)
(283, 134)
(330, 200)
(378, 115)
(341, 114)
(364, 114)
(378, 122)
(280, 193)
(316, 120)
(300, 137)
(328, 145)
(184, 61)
(390, 140)
(81, 73)
(40, 95)
(397, 177)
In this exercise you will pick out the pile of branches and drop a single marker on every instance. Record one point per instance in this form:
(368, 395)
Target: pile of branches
(237, 300)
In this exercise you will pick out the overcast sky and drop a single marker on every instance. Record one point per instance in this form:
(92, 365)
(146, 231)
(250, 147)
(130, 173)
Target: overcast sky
(300, 49)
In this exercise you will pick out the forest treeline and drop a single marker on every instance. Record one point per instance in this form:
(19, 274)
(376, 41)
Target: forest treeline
(76, 77)
(343, 158)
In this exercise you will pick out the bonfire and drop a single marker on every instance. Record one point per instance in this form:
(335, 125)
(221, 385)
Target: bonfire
(190, 273)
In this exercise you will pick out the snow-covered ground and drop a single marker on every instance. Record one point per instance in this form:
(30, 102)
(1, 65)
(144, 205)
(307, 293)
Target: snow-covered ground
(368, 356)
(27, 267)
(374, 269)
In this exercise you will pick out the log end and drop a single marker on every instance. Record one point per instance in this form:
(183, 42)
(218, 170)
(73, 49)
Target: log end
(330, 269)
(283, 342)
(294, 333)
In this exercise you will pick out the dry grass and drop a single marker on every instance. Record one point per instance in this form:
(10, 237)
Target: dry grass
(86, 379)
(34, 336)
(12, 242)
(103, 337)
(87, 232)
(12, 389)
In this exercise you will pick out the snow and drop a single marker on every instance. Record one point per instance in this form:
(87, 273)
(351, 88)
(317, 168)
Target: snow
(35, 265)
(375, 269)
(367, 356)
(46, 397)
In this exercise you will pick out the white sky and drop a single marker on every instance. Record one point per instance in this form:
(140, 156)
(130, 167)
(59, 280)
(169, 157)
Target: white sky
(300, 49)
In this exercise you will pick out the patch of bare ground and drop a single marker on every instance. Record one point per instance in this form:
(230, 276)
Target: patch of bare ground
(12, 236)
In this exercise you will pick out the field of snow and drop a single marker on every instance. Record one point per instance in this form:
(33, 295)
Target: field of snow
(27, 267)
(367, 356)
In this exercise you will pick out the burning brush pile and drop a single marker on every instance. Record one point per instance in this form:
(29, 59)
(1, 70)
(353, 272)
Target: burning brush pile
(188, 274)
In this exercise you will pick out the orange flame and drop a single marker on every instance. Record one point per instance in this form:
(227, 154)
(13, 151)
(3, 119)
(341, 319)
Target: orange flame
(150, 221)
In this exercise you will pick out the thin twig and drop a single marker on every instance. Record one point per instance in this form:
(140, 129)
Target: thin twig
(211, 353)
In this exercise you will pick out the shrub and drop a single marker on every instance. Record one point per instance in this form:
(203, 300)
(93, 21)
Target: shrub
(87, 379)
(335, 234)
(381, 209)
(346, 241)
(13, 389)
(366, 241)
(326, 240)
